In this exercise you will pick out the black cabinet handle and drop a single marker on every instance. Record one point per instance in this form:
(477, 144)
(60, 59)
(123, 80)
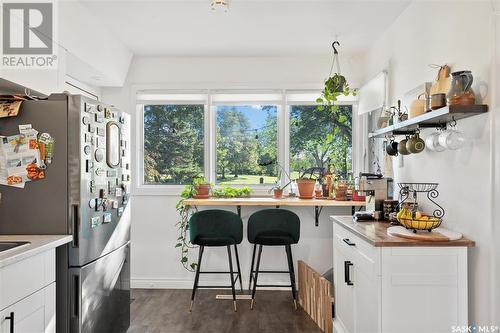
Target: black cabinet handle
(11, 318)
(347, 273)
(348, 242)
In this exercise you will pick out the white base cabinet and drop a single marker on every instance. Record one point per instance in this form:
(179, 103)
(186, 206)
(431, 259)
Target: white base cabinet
(397, 289)
(28, 295)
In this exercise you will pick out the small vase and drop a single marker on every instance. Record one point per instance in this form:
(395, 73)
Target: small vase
(277, 193)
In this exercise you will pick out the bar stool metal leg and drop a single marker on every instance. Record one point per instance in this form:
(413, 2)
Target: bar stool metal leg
(288, 249)
(256, 277)
(251, 268)
(238, 266)
(232, 273)
(197, 277)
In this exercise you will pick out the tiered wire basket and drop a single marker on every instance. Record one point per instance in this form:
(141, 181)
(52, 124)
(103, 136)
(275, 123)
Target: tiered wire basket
(408, 193)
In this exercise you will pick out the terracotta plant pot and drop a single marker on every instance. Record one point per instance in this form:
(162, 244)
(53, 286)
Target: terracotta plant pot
(203, 190)
(306, 187)
(277, 193)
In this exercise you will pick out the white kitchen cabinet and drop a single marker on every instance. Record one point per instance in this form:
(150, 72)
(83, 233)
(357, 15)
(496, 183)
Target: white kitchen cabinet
(393, 289)
(28, 294)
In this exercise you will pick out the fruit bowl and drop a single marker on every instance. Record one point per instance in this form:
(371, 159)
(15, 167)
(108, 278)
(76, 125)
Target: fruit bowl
(422, 223)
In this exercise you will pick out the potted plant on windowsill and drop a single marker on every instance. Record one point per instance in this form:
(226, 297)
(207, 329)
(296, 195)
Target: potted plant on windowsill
(306, 187)
(202, 188)
(277, 189)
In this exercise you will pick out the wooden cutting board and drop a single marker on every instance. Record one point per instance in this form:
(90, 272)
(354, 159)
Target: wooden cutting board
(436, 235)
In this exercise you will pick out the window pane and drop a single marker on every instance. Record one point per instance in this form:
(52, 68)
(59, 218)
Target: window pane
(173, 143)
(319, 138)
(246, 144)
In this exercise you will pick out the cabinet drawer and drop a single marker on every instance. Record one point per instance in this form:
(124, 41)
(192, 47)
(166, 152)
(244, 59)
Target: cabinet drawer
(33, 314)
(367, 257)
(25, 277)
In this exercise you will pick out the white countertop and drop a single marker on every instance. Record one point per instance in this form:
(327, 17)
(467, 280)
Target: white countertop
(38, 244)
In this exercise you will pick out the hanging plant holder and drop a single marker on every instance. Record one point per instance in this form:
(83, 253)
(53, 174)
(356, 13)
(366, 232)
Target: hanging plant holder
(336, 84)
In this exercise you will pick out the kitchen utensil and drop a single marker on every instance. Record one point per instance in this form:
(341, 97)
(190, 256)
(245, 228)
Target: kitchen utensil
(402, 147)
(461, 92)
(432, 142)
(415, 144)
(438, 101)
(392, 148)
(443, 81)
(417, 107)
(452, 139)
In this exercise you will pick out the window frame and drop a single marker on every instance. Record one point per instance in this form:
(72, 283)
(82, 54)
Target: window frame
(210, 128)
(257, 188)
(153, 189)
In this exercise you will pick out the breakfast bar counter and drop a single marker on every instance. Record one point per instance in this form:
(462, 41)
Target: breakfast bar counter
(318, 204)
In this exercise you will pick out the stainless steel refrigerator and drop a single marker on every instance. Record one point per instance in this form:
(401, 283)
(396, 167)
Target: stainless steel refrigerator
(85, 193)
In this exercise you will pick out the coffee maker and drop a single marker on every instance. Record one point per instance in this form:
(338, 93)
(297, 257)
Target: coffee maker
(377, 185)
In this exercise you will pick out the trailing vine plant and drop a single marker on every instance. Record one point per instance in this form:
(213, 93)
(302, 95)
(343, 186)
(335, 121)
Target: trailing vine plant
(185, 212)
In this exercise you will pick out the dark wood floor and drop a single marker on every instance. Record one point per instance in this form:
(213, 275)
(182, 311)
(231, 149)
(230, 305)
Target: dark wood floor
(166, 311)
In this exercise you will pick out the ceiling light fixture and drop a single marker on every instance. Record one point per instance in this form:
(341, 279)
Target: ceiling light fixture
(220, 5)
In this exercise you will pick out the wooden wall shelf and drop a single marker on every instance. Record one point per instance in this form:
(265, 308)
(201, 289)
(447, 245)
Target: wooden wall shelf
(436, 118)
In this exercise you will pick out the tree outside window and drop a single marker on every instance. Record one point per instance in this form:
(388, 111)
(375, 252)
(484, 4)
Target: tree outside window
(246, 144)
(173, 143)
(320, 137)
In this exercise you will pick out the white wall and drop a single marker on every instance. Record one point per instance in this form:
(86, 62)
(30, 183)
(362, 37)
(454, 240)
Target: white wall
(95, 55)
(462, 36)
(496, 174)
(155, 262)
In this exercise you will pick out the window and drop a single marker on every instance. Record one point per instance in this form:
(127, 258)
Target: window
(237, 137)
(173, 143)
(247, 146)
(319, 138)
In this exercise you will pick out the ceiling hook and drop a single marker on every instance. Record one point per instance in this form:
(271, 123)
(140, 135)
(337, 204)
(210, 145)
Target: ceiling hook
(334, 48)
(453, 122)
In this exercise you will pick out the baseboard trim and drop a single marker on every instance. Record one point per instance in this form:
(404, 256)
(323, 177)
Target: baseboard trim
(166, 283)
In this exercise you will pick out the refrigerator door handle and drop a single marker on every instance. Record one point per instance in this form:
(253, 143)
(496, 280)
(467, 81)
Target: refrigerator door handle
(75, 223)
(75, 298)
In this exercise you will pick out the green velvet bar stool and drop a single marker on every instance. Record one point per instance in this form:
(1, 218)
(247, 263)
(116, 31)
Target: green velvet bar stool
(214, 228)
(273, 227)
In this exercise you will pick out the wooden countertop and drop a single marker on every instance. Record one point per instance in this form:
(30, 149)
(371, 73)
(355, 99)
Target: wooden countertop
(375, 233)
(270, 201)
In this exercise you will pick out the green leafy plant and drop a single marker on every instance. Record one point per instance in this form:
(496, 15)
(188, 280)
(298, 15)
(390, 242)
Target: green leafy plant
(185, 212)
(277, 185)
(232, 192)
(335, 86)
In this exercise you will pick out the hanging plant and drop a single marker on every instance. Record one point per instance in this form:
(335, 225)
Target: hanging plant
(185, 212)
(335, 85)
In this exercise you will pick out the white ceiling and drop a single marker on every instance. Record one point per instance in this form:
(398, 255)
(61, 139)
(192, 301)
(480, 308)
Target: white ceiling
(250, 28)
